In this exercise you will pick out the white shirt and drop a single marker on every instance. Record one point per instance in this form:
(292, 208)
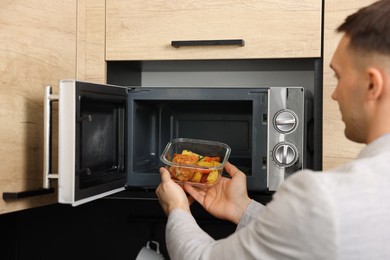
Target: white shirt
(339, 214)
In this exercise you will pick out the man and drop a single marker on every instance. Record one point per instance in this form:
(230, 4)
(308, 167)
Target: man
(340, 214)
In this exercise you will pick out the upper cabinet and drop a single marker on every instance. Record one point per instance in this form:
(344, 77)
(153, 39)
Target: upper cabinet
(42, 43)
(144, 29)
(38, 47)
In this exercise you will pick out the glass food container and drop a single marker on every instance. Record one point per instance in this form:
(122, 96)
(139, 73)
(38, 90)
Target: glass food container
(196, 162)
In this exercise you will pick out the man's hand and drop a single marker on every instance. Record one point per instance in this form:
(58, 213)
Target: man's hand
(228, 199)
(170, 194)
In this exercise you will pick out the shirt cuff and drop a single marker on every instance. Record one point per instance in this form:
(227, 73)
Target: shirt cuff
(252, 211)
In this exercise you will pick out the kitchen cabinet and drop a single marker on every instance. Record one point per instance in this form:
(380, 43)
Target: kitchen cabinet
(38, 48)
(144, 29)
(91, 25)
(337, 149)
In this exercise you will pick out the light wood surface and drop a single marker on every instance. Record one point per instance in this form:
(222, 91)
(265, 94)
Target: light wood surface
(144, 29)
(37, 48)
(91, 26)
(337, 150)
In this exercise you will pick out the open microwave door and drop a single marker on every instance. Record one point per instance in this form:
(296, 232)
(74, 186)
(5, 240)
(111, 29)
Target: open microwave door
(92, 141)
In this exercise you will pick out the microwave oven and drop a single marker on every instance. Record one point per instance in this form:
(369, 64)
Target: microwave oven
(111, 137)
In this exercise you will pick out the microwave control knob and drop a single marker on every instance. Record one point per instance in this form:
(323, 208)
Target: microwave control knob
(285, 154)
(285, 121)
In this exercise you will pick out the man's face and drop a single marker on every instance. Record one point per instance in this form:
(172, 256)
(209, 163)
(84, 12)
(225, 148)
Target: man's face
(349, 91)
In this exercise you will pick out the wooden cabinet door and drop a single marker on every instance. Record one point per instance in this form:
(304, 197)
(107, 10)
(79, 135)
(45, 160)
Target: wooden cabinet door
(38, 48)
(337, 149)
(144, 29)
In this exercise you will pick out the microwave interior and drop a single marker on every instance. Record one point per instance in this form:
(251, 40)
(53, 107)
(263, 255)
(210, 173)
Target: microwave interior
(122, 133)
(237, 117)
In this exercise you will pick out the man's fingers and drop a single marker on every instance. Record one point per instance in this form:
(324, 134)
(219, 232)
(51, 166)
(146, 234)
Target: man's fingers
(194, 193)
(190, 200)
(165, 176)
(231, 169)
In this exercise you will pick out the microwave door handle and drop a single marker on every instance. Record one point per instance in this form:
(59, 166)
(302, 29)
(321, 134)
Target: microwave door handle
(48, 98)
(47, 131)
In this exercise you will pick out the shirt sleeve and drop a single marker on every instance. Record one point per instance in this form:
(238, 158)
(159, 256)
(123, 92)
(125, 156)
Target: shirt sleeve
(252, 212)
(184, 238)
(297, 224)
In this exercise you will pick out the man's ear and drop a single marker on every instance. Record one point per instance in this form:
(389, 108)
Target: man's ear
(375, 81)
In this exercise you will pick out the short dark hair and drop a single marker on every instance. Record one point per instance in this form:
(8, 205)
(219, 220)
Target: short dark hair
(369, 28)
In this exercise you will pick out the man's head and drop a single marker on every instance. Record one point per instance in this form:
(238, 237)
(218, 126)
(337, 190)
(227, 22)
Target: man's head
(362, 66)
(369, 29)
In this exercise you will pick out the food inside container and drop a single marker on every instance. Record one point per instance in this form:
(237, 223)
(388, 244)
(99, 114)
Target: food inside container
(196, 162)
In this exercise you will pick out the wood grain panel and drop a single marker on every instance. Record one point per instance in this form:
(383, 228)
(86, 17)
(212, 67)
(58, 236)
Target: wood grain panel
(91, 26)
(144, 29)
(38, 48)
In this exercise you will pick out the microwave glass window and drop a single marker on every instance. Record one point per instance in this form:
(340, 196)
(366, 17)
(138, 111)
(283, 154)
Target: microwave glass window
(102, 143)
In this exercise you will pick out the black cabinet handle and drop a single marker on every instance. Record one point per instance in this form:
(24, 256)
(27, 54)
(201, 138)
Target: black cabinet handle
(25, 194)
(177, 44)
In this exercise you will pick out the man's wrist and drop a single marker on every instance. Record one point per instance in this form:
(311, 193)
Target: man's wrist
(242, 206)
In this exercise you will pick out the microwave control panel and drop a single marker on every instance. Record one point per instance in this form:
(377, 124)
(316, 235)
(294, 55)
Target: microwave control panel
(285, 134)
